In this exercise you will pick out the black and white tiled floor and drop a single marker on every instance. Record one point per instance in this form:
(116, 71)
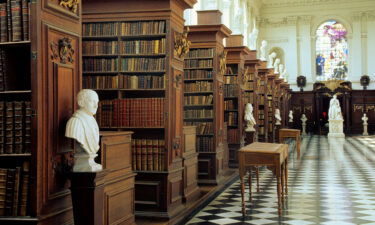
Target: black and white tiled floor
(332, 183)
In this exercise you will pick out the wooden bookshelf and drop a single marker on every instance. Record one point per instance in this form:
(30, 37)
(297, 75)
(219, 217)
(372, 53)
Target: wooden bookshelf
(271, 104)
(142, 49)
(262, 102)
(234, 87)
(207, 51)
(39, 79)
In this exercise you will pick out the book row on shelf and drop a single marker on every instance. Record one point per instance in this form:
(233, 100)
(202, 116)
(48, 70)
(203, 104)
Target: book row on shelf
(193, 100)
(124, 47)
(230, 105)
(230, 80)
(205, 144)
(14, 190)
(198, 113)
(249, 85)
(14, 20)
(232, 136)
(231, 118)
(15, 127)
(126, 64)
(126, 28)
(202, 127)
(201, 53)
(198, 86)
(148, 154)
(230, 90)
(198, 74)
(194, 63)
(131, 112)
(124, 82)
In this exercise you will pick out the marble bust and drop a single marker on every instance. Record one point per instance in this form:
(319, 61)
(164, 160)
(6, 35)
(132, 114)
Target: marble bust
(334, 112)
(276, 65)
(253, 36)
(364, 119)
(83, 128)
(282, 71)
(263, 50)
(290, 116)
(278, 117)
(271, 58)
(249, 118)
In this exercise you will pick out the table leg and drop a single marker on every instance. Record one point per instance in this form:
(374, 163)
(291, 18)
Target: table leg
(243, 195)
(286, 175)
(257, 174)
(298, 143)
(278, 178)
(249, 180)
(282, 183)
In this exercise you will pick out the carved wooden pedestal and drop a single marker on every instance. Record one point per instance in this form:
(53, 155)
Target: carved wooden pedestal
(250, 137)
(87, 196)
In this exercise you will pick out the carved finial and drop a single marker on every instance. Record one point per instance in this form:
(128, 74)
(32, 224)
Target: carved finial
(181, 44)
(72, 5)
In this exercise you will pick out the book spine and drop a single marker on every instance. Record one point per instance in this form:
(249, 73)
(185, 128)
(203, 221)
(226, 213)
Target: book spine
(9, 192)
(16, 191)
(9, 20)
(3, 179)
(24, 190)
(16, 20)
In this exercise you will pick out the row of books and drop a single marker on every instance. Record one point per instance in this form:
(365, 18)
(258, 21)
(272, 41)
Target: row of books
(198, 74)
(250, 75)
(205, 144)
(198, 100)
(14, 20)
(142, 64)
(100, 29)
(231, 118)
(230, 79)
(124, 82)
(143, 27)
(131, 112)
(249, 85)
(194, 63)
(202, 128)
(198, 86)
(230, 90)
(233, 136)
(201, 53)
(143, 46)
(261, 114)
(198, 113)
(15, 127)
(100, 47)
(100, 65)
(14, 188)
(230, 105)
(148, 154)
(261, 130)
(3, 71)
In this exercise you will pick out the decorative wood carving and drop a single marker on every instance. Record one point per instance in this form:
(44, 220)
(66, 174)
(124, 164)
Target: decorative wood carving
(72, 5)
(63, 50)
(223, 62)
(181, 44)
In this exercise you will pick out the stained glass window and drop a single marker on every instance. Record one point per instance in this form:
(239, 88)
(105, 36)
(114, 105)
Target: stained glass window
(331, 51)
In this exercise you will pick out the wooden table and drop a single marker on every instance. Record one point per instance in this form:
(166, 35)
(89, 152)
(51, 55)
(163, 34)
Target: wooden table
(273, 156)
(291, 133)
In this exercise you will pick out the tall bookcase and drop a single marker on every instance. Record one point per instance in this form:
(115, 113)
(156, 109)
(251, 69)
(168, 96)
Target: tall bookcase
(204, 69)
(262, 102)
(234, 91)
(39, 79)
(133, 53)
(271, 105)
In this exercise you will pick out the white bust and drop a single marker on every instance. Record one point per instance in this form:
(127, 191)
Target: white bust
(334, 112)
(83, 128)
(271, 57)
(364, 119)
(276, 65)
(253, 36)
(290, 116)
(263, 51)
(303, 119)
(249, 118)
(278, 117)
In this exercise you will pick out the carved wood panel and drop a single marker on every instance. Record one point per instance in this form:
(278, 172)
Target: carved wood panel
(70, 8)
(177, 107)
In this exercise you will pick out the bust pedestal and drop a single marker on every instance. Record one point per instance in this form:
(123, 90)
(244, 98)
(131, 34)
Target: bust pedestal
(249, 137)
(336, 128)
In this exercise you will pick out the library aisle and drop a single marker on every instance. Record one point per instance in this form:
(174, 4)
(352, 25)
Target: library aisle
(333, 183)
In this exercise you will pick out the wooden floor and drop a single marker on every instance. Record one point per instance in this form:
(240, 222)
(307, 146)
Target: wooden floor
(208, 192)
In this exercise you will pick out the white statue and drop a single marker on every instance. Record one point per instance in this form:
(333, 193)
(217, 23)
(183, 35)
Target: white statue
(278, 117)
(303, 119)
(249, 118)
(290, 116)
(253, 36)
(83, 128)
(263, 51)
(282, 70)
(276, 65)
(334, 112)
(364, 119)
(271, 57)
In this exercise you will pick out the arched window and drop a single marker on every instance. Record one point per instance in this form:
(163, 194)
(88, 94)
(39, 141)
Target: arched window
(331, 51)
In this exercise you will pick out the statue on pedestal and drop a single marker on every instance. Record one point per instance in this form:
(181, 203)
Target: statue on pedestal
(365, 124)
(263, 51)
(304, 119)
(290, 116)
(253, 36)
(278, 117)
(336, 122)
(271, 57)
(249, 118)
(282, 70)
(276, 65)
(83, 128)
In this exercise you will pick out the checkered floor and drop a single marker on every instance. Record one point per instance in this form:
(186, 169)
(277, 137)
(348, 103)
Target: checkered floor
(333, 183)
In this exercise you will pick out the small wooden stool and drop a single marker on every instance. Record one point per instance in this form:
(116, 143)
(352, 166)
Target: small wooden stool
(291, 133)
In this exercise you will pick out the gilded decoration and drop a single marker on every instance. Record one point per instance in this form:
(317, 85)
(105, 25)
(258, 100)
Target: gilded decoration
(223, 62)
(181, 44)
(72, 5)
(360, 107)
(333, 84)
(62, 50)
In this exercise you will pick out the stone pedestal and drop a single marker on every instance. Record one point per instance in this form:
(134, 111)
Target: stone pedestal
(304, 129)
(365, 133)
(336, 128)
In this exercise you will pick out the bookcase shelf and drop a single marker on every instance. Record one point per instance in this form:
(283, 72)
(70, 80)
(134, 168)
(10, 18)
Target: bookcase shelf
(16, 155)
(16, 92)
(15, 43)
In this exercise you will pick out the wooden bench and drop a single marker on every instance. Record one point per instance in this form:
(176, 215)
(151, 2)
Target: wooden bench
(291, 133)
